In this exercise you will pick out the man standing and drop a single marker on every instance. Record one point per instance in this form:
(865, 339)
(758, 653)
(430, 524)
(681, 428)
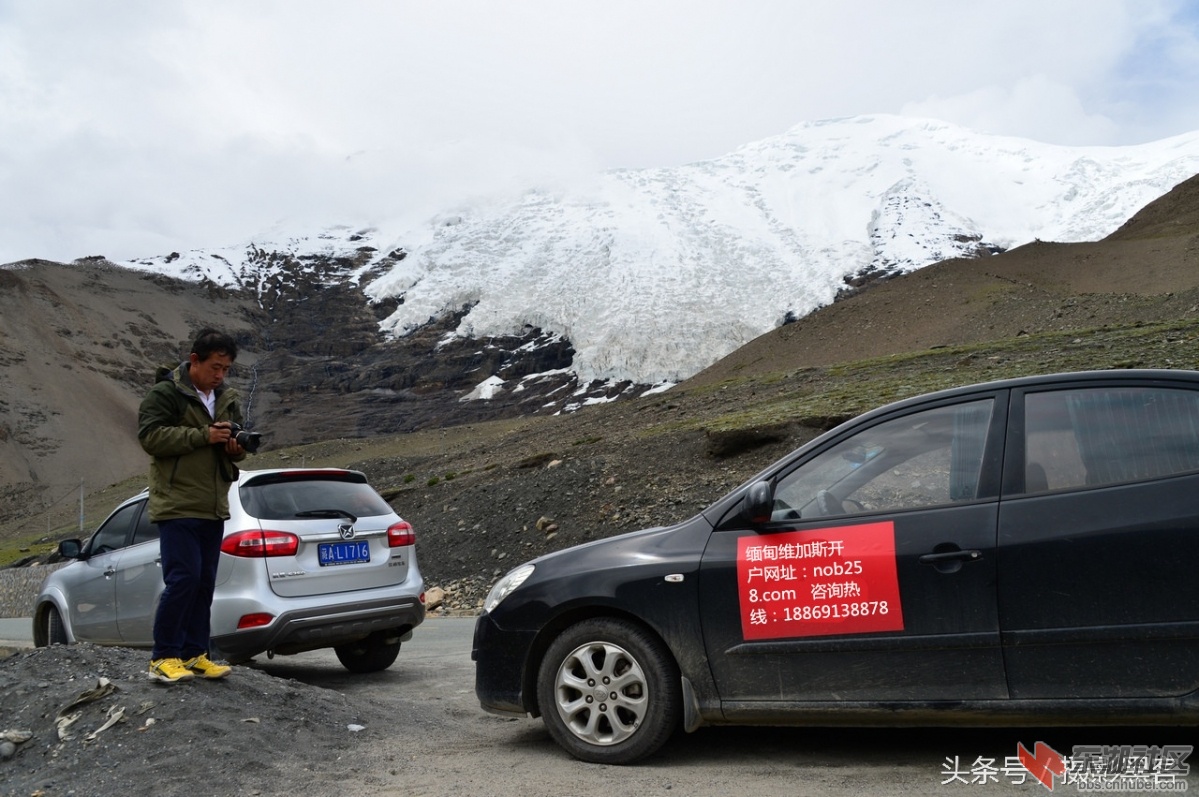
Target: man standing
(185, 425)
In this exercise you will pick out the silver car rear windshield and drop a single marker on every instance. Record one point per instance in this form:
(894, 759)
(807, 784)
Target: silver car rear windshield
(292, 499)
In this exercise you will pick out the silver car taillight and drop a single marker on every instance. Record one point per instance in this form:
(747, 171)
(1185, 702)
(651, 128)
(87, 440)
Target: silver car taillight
(260, 544)
(400, 534)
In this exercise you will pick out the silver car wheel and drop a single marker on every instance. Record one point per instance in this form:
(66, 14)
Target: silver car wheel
(601, 693)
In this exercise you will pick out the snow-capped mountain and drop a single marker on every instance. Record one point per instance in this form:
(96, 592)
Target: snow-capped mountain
(654, 274)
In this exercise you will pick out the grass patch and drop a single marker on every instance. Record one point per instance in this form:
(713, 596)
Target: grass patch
(821, 397)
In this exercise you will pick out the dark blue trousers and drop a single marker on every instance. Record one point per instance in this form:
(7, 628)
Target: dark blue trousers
(190, 549)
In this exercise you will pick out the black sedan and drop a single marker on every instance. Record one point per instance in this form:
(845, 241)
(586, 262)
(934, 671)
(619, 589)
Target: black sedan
(1017, 552)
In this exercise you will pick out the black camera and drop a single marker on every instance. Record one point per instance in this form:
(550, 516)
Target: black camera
(248, 440)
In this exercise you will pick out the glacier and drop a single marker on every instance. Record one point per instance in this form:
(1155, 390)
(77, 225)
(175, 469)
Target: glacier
(655, 274)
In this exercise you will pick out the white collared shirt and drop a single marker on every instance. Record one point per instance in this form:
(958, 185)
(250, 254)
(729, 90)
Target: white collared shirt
(209, 400)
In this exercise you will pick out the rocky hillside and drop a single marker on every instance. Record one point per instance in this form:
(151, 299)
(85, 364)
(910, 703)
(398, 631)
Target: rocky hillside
(486, 493)
(79, 344)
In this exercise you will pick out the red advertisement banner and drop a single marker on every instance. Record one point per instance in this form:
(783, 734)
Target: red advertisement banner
(838, 580)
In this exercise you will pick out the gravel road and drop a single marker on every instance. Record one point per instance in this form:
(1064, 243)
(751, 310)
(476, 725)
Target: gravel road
(444, 744)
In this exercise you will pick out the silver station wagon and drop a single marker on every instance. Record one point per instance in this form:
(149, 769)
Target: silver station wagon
(311, 558)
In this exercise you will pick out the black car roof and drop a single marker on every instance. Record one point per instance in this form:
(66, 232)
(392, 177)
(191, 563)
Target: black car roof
(1020, 382)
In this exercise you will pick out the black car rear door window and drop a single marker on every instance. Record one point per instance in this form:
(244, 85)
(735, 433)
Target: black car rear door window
(1098, 436)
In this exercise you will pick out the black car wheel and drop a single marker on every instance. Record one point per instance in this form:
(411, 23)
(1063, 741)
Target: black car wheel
(370, 654)
(609, 691)
(56, 634)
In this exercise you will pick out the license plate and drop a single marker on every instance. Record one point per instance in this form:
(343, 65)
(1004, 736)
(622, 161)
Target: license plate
(330, 554)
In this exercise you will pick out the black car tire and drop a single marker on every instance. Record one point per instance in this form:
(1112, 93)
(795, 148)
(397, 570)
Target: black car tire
(56, 632)
(372, 653)
(609, 691)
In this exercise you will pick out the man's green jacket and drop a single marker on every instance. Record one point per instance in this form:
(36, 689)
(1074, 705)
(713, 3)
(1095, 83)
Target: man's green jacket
(189, 477)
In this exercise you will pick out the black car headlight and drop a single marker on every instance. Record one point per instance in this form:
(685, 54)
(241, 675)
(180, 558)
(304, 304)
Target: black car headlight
(506, 586)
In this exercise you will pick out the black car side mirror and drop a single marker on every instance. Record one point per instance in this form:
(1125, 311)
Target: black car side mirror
(759, 503)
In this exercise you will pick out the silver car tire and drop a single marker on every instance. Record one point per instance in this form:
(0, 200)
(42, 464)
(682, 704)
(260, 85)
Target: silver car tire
(609, 691)
(373, 653)
(56, 631)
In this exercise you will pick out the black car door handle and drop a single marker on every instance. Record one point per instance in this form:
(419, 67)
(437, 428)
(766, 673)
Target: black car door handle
(950, 556)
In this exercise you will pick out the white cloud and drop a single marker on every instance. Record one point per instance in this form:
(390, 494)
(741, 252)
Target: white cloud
(171, 124)
(1033, 107)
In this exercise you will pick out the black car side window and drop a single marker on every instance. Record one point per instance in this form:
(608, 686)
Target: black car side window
(1097, 436)
(114, 534)
(918, 460)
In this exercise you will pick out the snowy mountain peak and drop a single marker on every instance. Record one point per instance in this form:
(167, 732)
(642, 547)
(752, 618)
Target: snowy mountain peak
(654, 274)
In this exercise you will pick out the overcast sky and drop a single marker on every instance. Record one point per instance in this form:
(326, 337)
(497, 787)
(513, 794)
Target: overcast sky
(141, 127)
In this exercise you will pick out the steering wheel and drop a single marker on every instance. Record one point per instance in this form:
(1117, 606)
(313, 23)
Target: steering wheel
(829, 504)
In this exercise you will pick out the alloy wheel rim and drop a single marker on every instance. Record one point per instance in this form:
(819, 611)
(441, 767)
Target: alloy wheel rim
(601, 693)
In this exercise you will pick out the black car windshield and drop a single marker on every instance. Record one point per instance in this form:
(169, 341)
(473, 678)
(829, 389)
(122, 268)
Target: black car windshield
(287, 500)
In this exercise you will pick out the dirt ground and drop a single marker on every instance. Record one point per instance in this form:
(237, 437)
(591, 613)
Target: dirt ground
(252, 734)
(302, 725)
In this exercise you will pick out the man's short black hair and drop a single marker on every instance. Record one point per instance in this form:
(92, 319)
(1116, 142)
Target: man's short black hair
(210, 341)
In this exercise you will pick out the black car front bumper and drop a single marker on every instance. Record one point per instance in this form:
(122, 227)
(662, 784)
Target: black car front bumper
(501, 658)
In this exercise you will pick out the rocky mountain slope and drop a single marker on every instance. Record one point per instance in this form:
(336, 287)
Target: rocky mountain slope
(485, 494)
(79, 344)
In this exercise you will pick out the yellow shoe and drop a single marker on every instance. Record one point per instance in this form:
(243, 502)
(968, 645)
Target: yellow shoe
(169, 671)
(206, 668)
